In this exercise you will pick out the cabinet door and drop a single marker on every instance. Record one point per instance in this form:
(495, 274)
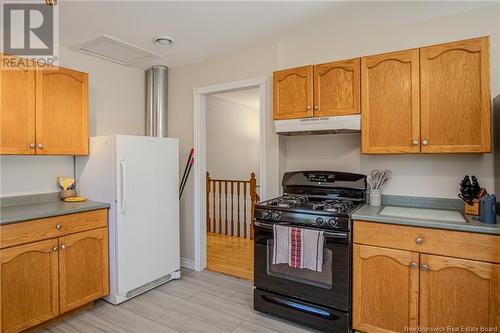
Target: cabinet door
(29, 285)
(83, 268)
(390, 103)
(455, 97)
(336, 88)
(61, 112)
(293, 93)
(17, 106)
(458, 292)
(385, 289)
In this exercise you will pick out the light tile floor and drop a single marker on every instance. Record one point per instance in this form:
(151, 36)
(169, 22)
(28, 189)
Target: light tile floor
(201, 302)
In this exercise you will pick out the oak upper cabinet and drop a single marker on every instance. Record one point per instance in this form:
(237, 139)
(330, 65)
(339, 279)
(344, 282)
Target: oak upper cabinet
(385, 289)
(42, 111)
(293, 93)
(29, 285)
(61, 112)
(17, 108)
(390, 111)
(455, 97)
(458, 292)
(83, 268)
(337, 88)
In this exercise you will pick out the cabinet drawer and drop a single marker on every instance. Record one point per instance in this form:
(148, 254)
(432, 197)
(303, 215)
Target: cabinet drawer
(433, 241)
(50, 227)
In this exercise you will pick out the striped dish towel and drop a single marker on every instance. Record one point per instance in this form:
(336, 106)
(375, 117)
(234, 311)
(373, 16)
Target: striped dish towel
(298, 247)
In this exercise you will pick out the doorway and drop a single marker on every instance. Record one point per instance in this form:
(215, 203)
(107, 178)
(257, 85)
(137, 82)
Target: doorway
(208, 221)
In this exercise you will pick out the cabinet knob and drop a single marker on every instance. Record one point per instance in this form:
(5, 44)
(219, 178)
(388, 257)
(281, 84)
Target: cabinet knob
(309, 107)
(316, 107)
(419, 240)
(424, 267)
(54, 249)
(415, 142)
(58, 226)
(63, 247)
(32, 145)
(425, 142)
(40, 146)
(413, 265)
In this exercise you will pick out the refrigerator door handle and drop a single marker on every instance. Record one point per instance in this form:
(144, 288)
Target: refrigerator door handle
(123, 187)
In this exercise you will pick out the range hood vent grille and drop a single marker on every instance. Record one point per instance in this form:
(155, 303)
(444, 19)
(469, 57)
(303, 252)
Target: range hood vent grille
(321, 125)
(115, 50)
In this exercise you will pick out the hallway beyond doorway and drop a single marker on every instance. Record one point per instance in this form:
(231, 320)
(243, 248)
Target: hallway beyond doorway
(230, 255)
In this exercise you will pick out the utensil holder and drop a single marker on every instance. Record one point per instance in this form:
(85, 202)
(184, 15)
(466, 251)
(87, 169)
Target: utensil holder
(67, 193)
(375, 198)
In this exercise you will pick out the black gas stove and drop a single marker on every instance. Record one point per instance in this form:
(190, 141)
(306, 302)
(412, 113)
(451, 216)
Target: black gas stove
(315, 198)
(321, 200)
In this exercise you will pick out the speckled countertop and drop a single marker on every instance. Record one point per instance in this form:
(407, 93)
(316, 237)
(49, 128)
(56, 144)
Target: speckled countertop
(372, 214)
(23, 208)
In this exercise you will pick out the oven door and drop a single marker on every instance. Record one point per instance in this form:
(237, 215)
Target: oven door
(330, 287)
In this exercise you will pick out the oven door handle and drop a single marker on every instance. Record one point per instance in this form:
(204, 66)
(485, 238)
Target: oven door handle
(338, 235)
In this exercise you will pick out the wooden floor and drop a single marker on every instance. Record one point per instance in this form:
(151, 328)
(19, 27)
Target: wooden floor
(202, 302)
(230, 255)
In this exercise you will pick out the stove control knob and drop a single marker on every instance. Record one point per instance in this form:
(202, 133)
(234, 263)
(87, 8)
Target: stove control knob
(276, 216)
(332, 223)
(320, 221)
(265, 214)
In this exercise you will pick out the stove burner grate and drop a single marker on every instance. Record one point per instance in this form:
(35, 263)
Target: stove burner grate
(287, 202)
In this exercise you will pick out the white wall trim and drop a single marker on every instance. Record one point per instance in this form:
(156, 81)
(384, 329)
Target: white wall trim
(187, 263)
(200, 165)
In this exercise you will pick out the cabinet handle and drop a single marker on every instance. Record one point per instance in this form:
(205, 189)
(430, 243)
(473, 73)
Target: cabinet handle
(413, 265)
(40, 146)
(32, 145)
(54, 249)
(425, 142)
(415, 142)
(424, 267)
(419, 240)
(63, 247)
(309, 107)
(316, 107)
(58, 226)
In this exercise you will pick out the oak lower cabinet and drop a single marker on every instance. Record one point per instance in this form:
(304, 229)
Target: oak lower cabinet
(83, 262)
(386, 289)
(398, 287)
(459, 292)
(42, 279)
(30, 291)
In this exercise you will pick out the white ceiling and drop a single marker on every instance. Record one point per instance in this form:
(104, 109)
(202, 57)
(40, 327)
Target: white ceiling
(201, 30)
(248, 97)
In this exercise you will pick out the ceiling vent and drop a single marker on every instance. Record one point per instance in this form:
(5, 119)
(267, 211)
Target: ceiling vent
(115, 50)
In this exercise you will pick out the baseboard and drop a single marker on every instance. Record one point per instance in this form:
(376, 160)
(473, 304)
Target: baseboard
(187, 263)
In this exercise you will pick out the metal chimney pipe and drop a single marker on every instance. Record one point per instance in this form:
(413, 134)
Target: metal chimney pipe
(156, 101)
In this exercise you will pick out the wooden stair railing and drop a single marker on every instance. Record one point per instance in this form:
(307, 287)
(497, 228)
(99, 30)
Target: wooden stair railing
(231, 216)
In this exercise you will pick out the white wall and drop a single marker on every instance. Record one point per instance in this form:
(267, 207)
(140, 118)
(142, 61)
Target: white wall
(351, 30)
(116, 105)
(232, 139)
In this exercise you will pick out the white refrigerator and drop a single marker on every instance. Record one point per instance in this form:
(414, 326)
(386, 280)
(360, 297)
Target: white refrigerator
(139, 177)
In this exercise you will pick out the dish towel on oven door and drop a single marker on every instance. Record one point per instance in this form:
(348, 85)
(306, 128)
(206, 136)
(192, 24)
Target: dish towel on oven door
(298, 247)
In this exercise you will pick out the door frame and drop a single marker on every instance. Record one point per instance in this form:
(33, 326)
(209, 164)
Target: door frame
(200, 165)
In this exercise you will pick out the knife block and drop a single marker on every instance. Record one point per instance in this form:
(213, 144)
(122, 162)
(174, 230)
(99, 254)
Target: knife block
(474, 209)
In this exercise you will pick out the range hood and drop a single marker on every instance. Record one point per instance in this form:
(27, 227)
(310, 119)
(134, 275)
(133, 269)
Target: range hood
(319, 125)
